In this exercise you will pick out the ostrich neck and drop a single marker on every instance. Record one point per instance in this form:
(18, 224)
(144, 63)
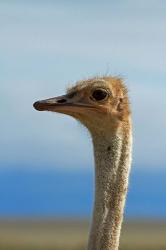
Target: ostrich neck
(112, 165)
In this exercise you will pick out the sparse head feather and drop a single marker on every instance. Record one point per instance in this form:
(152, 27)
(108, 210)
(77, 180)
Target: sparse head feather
(116, 107)
(116, 82)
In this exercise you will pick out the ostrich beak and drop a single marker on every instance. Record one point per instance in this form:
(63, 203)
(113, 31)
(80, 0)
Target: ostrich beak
(61, 104)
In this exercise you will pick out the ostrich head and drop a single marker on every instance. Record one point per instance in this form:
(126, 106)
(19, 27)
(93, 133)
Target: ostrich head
(98, 103)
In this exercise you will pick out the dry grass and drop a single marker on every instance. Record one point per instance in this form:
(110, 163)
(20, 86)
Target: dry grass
(72, 235)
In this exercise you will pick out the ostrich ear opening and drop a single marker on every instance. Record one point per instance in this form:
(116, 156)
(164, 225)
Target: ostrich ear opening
(120, 105)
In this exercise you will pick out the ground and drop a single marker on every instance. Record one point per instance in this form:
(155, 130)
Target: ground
(63, 234)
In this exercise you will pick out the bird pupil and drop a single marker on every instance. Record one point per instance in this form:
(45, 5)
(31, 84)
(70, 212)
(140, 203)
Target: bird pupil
(99, 94)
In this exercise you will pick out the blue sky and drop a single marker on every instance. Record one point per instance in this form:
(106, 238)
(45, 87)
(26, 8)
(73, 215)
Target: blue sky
(46, 45)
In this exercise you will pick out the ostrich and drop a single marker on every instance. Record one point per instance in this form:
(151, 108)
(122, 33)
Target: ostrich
(101, 104)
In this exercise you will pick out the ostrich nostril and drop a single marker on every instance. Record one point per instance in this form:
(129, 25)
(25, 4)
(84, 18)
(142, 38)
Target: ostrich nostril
(61, 101)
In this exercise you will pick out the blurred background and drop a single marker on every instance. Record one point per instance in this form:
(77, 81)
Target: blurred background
(46, 160)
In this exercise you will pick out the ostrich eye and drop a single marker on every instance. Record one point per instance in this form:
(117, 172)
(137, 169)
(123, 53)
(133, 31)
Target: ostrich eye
(99, 94)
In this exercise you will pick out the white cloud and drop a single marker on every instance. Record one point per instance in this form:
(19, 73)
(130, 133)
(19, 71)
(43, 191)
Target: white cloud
(149, 125)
